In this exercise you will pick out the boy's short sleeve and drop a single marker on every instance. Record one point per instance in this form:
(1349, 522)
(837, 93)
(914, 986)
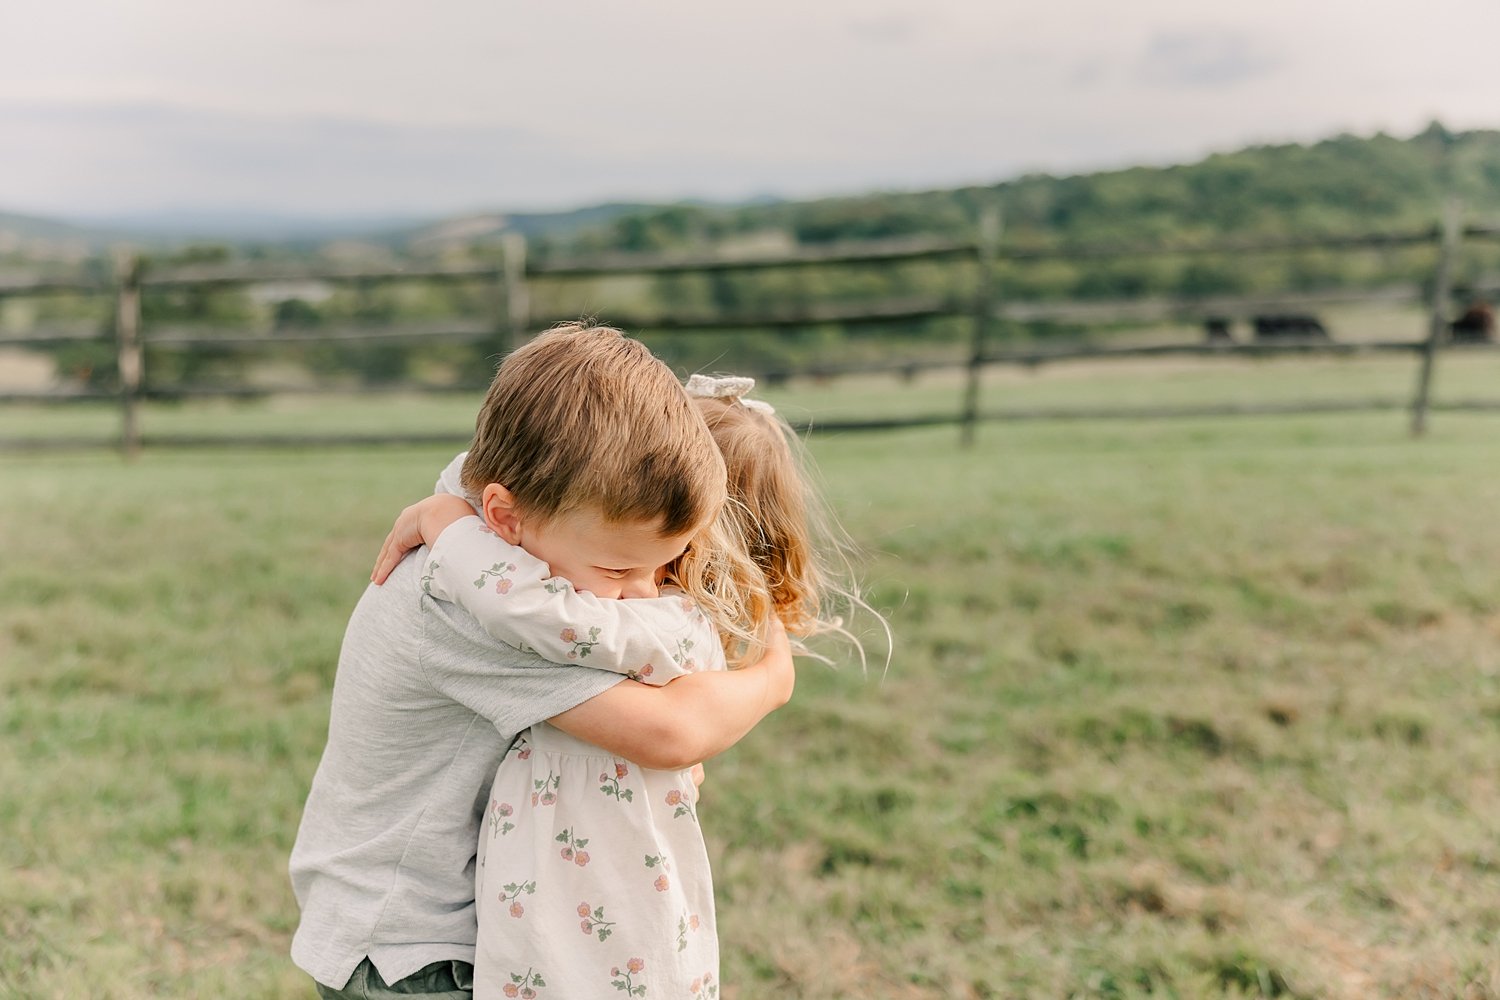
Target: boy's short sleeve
(424, 705)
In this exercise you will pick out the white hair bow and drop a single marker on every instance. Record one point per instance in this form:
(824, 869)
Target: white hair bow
(726, 387)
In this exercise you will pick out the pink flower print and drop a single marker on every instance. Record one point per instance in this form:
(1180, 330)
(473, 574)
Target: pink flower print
(682, 805)
(593, 922)
(524, 754)
(512, 892)
(695, 986)
(685, 923)
(611, 785)
(581, 647)
(626, 980)
(573, 847)
(520, 984)
(544, 790)
(498, 571)
(647, 670)
(500, 823)
(662, 883)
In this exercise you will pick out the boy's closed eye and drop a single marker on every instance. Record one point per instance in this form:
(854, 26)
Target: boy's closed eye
(631, 556)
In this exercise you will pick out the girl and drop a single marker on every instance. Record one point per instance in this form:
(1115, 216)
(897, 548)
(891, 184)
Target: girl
(593, 877)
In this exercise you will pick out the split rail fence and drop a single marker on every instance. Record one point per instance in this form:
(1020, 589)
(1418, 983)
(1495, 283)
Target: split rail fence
(511, 319)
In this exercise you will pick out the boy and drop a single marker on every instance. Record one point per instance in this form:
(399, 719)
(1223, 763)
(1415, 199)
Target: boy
(584, 438)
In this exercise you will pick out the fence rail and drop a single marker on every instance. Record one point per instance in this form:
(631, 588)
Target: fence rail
(511, 317)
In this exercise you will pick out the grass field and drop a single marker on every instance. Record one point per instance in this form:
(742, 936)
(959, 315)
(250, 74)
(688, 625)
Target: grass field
(1463, 376)
(1187, 709)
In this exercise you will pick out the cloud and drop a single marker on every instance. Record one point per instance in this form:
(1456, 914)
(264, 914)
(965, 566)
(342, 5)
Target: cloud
(888, 29)
(1204, 58)
(90, 159)
(481, 106)
(148, 155)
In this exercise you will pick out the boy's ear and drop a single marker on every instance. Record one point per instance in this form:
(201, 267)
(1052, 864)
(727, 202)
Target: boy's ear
(499, 507)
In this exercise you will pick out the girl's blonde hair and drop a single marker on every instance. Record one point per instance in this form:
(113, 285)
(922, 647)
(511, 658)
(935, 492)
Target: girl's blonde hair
(797, 566)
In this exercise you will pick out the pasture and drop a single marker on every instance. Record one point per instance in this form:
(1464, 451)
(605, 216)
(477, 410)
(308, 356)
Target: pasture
(1189, 708)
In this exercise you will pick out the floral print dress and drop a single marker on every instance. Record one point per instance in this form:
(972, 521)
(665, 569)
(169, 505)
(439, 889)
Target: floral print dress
(593, 877)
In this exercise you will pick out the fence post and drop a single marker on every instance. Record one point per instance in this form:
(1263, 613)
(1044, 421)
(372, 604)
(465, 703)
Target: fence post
(1437, 323)
(129, 360)
(517, 296)
(987, 249)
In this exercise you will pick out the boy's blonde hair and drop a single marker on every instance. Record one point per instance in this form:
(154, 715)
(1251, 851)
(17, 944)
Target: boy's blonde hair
(582, 417)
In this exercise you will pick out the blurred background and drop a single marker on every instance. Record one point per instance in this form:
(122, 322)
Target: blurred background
(1149, 352)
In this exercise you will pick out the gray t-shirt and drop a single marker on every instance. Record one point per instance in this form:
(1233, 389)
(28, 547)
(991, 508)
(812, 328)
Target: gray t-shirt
(425, 704)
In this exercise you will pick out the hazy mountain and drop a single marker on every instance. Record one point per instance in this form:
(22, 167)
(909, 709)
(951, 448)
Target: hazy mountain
(1341, 184)
(47, 239)
(30, 236)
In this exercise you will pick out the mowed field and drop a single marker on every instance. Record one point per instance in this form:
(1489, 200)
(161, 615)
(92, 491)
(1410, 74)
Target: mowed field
(1189, 708)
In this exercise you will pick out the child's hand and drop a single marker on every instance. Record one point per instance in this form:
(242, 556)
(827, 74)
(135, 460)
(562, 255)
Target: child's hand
(419, 524)
(778, 660)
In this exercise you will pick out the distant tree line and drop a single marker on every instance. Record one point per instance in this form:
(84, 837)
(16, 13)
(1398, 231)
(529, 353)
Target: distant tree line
(1342, 185)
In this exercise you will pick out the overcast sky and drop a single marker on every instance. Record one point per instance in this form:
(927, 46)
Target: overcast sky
(373, 107)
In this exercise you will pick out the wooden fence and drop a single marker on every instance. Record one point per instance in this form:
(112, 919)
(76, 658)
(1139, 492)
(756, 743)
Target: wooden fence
(511, 317)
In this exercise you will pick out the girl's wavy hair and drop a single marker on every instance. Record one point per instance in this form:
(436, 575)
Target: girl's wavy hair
(787, 557)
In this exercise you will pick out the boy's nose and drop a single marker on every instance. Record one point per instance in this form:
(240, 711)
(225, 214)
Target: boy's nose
(641, 587)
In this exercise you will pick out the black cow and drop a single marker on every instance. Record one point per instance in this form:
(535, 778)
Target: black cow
(1476, 325)
(1216, 330)
(1290, 326)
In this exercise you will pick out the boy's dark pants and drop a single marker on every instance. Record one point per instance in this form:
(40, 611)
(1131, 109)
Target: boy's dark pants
(438, 981)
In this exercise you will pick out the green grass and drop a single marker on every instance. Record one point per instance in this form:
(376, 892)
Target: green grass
(1185, 709)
